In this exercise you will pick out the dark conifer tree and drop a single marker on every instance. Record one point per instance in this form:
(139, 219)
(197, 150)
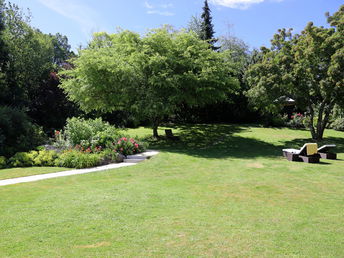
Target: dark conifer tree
(207, 30)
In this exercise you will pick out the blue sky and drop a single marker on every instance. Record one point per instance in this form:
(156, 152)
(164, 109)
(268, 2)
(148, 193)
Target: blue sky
(254, 21)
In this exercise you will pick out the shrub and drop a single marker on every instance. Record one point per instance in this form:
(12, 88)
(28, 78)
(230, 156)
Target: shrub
(18, 133)
(3, 162)
(276, 120)
(21, 159)
(77, 159)
(338, 124)
(296, 121)
(85, 134)
(45, 158)
(109, 156)
(88, 130)
(128, 146)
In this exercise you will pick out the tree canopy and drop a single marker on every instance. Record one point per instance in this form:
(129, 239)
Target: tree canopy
(309, 67)
(152, 76)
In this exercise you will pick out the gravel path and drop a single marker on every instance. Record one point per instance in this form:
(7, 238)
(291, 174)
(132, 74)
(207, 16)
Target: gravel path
(130, 161)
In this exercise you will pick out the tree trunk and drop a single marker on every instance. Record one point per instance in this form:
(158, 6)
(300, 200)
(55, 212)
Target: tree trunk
(155, 122)
(311, 126)
(323, 118)
(155, 131)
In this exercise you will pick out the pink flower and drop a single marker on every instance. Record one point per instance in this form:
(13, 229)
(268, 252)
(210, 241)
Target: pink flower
(121, 149)
(136, 146)
(132, 140)
(292, 117)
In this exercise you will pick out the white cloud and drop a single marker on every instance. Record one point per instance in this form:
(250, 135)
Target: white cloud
(148, 5)
(163, 13)
(83, 15)
(166, 6)
(160, 10)
(239, 4)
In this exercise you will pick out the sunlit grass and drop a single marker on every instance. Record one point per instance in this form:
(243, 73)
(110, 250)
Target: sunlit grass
(222, 190)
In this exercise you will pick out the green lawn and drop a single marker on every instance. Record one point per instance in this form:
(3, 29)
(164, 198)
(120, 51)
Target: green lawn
(19, 172)
(223, 190)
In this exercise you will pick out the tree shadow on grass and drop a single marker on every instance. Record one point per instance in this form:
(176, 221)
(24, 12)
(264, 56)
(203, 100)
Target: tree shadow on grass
(215, 141)
(220, 141)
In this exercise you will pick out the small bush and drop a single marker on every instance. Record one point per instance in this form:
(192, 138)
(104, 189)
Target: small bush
(297, 121)
(126, 146)
(89, 131)
(21, 159)
(338, 124)
(3, 162)
(77, 159)
(109, 156)
(45, 158)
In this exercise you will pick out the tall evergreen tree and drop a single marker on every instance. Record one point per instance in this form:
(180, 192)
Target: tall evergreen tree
(207, 28)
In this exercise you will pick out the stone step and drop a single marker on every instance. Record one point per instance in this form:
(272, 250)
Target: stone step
(137, 156)
(133, 160)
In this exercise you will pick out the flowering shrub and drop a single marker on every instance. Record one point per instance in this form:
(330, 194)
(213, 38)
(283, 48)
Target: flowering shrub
(60, 140)
(128, 146)
(296, 120)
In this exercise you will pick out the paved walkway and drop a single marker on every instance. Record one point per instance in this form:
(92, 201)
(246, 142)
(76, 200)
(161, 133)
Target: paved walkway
(130, 161)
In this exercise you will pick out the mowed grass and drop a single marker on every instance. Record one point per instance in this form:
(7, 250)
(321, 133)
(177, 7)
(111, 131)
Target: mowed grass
(222, 190)
(30, 171)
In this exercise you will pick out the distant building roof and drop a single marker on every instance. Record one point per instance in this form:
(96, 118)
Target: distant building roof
(287, 101)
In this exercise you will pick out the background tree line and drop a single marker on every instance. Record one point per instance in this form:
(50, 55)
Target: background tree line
(30, 99)
(184, 75)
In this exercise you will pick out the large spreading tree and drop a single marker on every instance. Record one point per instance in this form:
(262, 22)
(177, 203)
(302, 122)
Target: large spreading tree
(308, 67)
(152, 76)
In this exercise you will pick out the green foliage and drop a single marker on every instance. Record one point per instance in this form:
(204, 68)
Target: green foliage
(17, 132)
(195, 25)
(30, 59)
(44, 158)
(152, 76)
(3, 162)
(77, 159)
(307, 67)
(21, 159)
(109, 156)
(89, 132)
(33, 158)
(338, 124)
(275, 120)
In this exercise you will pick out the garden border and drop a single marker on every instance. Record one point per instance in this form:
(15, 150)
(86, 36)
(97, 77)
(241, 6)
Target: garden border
(135, 159)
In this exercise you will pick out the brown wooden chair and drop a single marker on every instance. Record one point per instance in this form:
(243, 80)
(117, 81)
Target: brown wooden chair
(169, 135)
